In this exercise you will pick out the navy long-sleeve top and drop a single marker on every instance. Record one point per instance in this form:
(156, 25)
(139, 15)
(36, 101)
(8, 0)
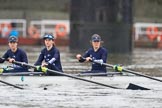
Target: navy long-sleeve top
(19, 55)
(52, 57)
(100, 54)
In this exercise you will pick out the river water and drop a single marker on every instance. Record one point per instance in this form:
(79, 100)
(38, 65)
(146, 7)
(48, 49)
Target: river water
(71, 93)
(65, 92)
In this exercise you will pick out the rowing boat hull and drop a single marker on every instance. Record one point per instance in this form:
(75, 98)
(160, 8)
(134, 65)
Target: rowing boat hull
(40, 80)
(34, 80)
(53, 81)
(37, 78)
(79, 74)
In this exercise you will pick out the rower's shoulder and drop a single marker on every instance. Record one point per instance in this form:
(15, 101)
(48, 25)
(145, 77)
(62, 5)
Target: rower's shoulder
(104, 49)
(43, 50)
(90, 49)
(21, 50)
(56, 49)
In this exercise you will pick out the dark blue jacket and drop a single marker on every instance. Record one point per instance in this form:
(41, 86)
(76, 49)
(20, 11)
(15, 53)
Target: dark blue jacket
(20, 56)
(51, 57)
(101, 53)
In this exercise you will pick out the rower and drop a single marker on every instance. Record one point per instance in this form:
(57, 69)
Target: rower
(14, 54)
(95, 53)
(49, 56)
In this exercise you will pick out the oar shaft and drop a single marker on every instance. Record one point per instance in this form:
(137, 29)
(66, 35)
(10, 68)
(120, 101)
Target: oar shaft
(64, 74)
(137, 73)
(11, 84)
(130, 71)
(94, 82)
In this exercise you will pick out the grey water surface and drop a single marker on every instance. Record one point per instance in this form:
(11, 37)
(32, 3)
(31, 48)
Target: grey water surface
(65, 92)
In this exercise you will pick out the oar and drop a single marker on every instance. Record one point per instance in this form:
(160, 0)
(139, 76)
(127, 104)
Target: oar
(10, 83)
(128, 71)
(75, 77)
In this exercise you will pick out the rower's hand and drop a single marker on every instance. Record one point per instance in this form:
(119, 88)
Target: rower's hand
(78, 56)
(88, 59)
(11, 60)
(42, 69)
(118, 68)
(44, 64)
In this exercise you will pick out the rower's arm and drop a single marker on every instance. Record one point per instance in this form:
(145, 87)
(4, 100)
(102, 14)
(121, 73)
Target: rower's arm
(2, 60)
(82, 59)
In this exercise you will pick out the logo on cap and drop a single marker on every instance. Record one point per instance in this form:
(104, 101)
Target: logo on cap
(48, 36)
(12, 39)
(96, 38)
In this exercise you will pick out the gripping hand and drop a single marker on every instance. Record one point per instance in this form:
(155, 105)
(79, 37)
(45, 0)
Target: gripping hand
(118, 68)
(42, 69)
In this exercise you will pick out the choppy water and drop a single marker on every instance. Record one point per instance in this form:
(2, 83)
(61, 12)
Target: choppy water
(70, 93)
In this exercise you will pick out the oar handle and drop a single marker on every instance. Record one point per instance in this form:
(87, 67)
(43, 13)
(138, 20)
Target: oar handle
(82, 58)
(23, 64)
(116, 67)
(91, 60)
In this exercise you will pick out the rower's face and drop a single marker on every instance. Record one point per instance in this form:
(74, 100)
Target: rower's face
(12, 45)
(96, 44)
(48, 42)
